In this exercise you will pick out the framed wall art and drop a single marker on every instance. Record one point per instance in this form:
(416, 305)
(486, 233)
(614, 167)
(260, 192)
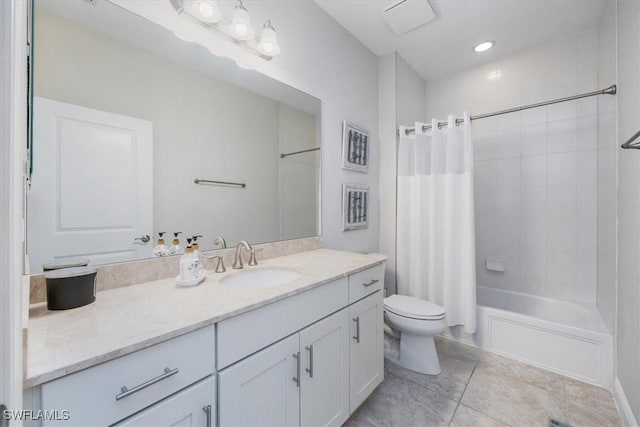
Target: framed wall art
(355, 147)
(355, 206)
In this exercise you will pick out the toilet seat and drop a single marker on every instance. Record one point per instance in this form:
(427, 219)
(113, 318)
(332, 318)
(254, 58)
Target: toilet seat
(413, 308)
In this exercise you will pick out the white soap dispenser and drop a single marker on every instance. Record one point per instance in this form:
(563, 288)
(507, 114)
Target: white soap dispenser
(160, 249)
(197, 253)
(189, 273)
(175, 244)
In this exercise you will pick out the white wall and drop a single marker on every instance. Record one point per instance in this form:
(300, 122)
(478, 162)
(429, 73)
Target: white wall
(401, 101)
(321, 58)
(628, 314)
(536, 170)
(607, 147)
(387, 127)
(200, 131)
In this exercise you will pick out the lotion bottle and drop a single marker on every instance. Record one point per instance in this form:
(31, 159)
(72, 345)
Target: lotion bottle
(175, 244)
(188, 264)
(160, 249)
(197, 253)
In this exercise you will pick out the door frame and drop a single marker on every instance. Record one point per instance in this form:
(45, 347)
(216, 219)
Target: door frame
(13, 135)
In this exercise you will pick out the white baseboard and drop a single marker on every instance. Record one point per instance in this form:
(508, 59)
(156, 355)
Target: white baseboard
(628, 419)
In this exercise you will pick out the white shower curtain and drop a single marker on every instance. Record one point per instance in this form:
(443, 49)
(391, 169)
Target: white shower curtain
(436, 258)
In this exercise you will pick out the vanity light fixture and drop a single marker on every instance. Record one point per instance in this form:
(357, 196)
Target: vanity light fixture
(241, 27)
(484, 46)
(238, 29)
(268, 43)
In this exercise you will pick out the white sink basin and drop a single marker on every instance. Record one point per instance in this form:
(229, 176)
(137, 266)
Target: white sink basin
(259, 278)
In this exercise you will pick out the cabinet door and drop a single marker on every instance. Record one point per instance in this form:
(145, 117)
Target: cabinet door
(366, 359)
(324, 389)
(192, 407)
(263, 389)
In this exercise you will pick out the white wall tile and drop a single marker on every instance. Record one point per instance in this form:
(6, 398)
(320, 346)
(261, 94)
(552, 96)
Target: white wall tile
(562, 200)
(587, 167)
(561, 136)
(561, 234)
(586, 201)
(534, 140)
(587, 133)
(586, 236)
(485, 174)
(561, 169)
(534, 171)
(508, 172)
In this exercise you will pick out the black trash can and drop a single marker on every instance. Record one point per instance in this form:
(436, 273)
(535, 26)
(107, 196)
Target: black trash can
(70, 287)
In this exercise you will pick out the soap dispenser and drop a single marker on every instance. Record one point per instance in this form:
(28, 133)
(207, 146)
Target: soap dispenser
(189, 271)
(175, 245)
(160, 249)
(197, 253)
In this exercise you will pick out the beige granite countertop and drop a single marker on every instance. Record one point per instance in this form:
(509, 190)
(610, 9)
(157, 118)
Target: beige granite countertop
(127, 319)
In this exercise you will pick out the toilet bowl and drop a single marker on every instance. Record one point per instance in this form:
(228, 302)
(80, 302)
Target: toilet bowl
(418, 321)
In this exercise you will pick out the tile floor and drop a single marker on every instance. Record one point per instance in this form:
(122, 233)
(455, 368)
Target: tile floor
(478, 388)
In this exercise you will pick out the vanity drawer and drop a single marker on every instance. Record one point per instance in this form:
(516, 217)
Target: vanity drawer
(365, 282)
(242, 335)
(96, 396)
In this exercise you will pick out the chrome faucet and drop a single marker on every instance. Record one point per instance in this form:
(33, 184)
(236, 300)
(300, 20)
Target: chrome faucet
(237, 263)
(219, 241)
(220, 266)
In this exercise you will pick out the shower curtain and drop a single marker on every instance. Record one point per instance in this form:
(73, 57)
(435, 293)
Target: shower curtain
(436, 233)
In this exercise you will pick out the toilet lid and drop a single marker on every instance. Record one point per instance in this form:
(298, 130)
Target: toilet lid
(414, 308)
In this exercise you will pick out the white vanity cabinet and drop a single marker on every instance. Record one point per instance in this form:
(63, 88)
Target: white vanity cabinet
(301, 380)
(263, 388)
(110, 392)
(314, 377)
(366, 352)
(193, 407)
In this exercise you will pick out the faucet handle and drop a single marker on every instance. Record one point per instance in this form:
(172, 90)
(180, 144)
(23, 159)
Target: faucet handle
(220, 266)
(252, 257)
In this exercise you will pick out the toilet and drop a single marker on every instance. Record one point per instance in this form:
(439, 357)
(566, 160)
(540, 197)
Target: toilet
(418, 321)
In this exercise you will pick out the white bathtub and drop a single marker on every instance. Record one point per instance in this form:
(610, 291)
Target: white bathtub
(561, 336)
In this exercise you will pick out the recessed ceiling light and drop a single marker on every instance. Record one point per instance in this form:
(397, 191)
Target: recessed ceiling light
(484, 46)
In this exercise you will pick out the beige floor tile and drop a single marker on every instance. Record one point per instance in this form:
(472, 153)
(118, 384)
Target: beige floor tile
(450, 383)
(590, 406)
(541, 378)
(402, 403)
(460, 351)
(511, 400)
(468, 417)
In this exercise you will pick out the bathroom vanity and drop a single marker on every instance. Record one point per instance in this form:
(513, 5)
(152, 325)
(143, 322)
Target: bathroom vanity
(227, 352)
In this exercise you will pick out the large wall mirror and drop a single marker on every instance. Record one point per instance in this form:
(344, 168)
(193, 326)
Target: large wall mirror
(126, 118)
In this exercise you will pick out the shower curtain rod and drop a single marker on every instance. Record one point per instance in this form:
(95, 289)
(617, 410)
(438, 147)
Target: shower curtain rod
(611, 90)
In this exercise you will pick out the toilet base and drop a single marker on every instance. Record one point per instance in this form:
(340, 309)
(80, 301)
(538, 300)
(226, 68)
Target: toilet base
(418, 353)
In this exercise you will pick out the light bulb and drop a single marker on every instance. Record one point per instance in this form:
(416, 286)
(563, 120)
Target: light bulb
(206, 10)
(268, 44)
(240, 23)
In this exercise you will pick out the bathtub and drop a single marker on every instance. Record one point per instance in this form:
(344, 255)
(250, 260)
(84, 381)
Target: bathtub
(565, 337)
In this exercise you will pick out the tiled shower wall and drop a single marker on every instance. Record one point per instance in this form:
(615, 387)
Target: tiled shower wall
(536, 170)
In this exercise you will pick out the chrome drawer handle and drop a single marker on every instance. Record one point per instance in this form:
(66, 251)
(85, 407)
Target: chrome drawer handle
(128, 392)
(372, 282)
(296, 379)
(357, 336)
(207, 410)
(310, 368)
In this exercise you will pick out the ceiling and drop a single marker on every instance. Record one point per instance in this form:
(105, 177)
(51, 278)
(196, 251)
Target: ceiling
(445, 44)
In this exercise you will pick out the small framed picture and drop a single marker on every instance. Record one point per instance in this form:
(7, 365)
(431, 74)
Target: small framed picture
(355, 147)
(355, 206)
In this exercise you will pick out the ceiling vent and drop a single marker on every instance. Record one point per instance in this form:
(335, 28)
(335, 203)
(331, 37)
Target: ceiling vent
(406, 15)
